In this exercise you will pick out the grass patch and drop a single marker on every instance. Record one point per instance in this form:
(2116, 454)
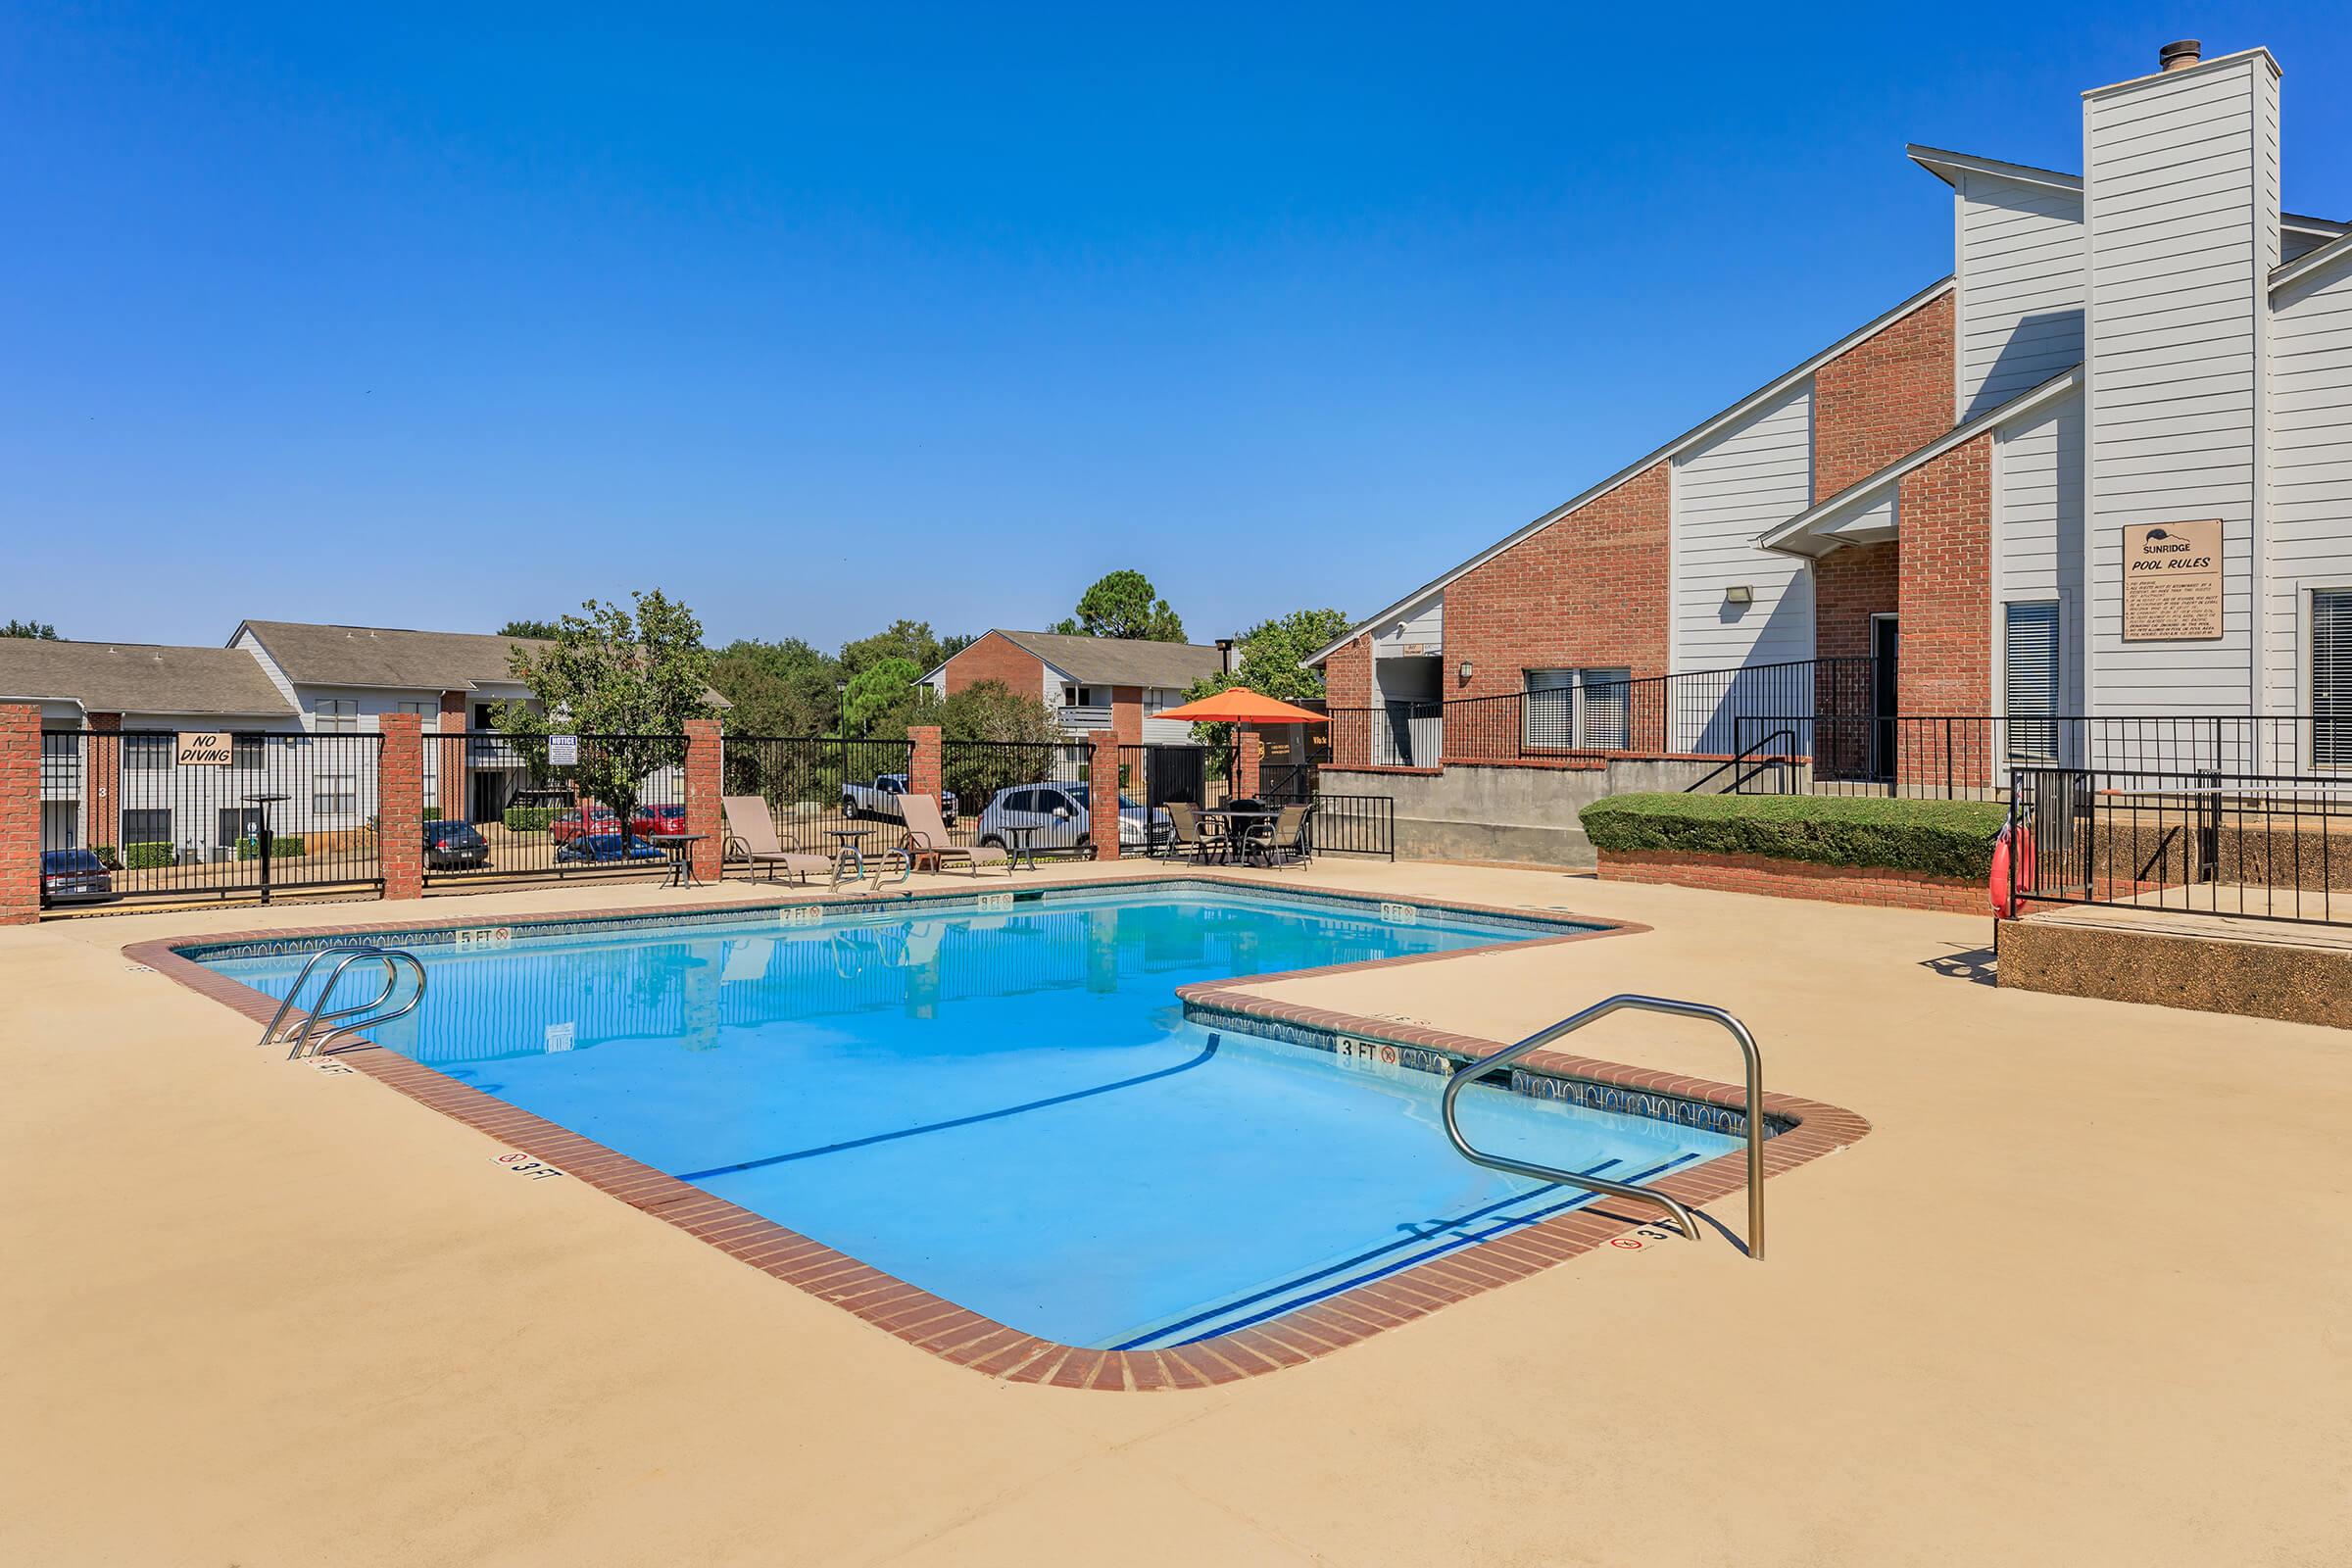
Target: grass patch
(1936, 838)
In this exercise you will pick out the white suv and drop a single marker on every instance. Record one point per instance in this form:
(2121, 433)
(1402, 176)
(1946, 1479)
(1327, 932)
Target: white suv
(1061, 814)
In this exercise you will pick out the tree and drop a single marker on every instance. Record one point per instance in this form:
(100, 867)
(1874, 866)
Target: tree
(877, 691)
(630, 680)
(537, 631)
(780, 688)
(41, 630)
(1272, 662)
(1124, 604)
(990, 711)
(910, 640)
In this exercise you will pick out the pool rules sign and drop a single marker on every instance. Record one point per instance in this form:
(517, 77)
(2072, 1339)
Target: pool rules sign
(2173, 581)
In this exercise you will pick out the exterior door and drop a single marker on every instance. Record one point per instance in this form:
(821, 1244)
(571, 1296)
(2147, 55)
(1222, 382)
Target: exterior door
(1885, 644)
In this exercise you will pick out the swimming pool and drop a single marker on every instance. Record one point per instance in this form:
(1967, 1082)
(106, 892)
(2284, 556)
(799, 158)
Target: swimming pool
(1006, 1105)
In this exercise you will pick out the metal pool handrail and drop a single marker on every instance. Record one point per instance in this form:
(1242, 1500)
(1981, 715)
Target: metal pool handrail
(345, 1020)
(1683, 1218)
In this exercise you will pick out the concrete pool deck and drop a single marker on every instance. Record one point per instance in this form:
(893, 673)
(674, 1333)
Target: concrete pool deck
(2075, 1298)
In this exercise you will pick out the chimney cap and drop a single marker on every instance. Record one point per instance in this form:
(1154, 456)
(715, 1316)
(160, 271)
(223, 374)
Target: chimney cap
(2181, 54)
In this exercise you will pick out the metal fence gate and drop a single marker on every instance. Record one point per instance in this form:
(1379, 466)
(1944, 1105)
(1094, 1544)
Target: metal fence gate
(1006, 791)
(135, 815)
(500, 806)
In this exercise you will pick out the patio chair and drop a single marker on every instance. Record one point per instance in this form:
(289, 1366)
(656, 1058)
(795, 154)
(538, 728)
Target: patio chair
(751, 838)
(927, 840)
(1285, 841)
(1187, 835)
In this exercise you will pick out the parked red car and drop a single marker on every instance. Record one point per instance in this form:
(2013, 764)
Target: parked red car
(648, 821)
(563, 829)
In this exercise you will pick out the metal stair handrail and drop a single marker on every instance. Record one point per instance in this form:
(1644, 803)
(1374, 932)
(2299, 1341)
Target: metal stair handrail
(1683, 1220)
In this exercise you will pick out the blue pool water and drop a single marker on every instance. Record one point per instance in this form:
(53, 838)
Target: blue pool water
(1009, 1109)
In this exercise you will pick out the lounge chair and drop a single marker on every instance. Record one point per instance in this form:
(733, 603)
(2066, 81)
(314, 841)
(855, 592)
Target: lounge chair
(1287, 838)
(751, 838)
(1186, 834)
(927, 840)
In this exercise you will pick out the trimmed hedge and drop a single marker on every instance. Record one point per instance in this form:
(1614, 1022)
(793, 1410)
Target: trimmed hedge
(144, 856)
(282, 847)
(529, 818)
(1935, 838)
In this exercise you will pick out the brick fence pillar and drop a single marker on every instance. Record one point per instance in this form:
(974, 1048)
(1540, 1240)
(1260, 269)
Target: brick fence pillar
(454, 776)
(20, 813)
(400, 806)
(704, 782)
(1103, 794)
(923, 773)
(1248, 752)
(102, 783)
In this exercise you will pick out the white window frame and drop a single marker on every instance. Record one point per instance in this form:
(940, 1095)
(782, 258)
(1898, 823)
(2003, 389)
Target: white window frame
(2308, 690)
(334, 716)
(2012, 752)
(320, 797)
(1577, 682)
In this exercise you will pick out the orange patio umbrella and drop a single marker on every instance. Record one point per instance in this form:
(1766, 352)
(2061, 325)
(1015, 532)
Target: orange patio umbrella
(1241, 706)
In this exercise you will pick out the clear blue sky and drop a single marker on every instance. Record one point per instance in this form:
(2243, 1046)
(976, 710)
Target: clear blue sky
(816, 318)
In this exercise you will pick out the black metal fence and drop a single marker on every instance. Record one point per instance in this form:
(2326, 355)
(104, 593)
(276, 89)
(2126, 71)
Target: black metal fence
(824, 792)
(498, 807)
(1596, 716)
(2266, 847)
(1006, 790)
(1968, 756)
(157, 814)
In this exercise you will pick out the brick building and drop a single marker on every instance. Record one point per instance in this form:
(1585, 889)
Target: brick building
(1092, 683)
(1958, 490)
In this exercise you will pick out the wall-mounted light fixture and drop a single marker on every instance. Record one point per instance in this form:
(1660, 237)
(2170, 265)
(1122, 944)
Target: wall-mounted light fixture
(1740, 594)
(1467, 669)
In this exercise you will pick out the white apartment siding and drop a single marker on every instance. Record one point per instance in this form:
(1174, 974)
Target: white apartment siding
(2037, 548)
(1725, 494)
(2311, 471)
(2175, 181)
(2020, 302)
(1420, 630)
(246, 640)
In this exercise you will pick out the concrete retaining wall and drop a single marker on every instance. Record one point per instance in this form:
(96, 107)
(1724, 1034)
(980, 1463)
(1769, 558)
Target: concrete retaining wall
(1527, 814)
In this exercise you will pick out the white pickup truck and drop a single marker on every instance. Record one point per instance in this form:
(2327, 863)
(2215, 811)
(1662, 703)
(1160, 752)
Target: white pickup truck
(880, 799)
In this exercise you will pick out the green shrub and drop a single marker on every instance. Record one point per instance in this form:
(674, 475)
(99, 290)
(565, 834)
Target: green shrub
(106, 856)
(282, 847)
(529, 818)
(432, 814)
(1936, 838)
(142, 856)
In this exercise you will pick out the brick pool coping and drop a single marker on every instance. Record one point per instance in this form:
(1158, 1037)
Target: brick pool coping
(967, 1339)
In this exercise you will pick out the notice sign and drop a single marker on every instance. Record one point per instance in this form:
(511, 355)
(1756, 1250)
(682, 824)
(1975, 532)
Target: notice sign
(203, 747)
(562, 751)
(2173, 581)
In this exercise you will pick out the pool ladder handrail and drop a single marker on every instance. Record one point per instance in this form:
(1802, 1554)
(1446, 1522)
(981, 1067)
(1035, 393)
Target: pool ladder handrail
(344, 1020)
(1683, 1220)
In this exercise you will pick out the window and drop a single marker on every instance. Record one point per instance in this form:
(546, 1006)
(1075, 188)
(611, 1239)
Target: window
(2332, 678)
(335, 715)
(2029, 680)
(149, 826)
(245, 753)
(1081, 696)
(1578, 710)
(335, 795)
(148, 753)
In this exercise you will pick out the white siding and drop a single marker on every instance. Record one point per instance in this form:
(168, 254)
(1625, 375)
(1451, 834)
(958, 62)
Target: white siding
(2039, 550)
(2180, 174)
(1420, 629)
(2020, 307)
(2311, 471)
(1730, 490)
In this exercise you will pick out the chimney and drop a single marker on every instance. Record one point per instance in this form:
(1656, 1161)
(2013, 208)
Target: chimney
(1225, 653)
(2181, 54)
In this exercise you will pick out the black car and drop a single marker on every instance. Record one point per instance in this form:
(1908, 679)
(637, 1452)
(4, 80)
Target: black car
(75, 876)
(454, 846)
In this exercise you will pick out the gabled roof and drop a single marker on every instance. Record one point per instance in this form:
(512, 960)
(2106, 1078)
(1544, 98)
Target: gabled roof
(1948, 165)
(1115, 660)
(139, 678)
(1689, 438)
(1812, 531)
(387, 657)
